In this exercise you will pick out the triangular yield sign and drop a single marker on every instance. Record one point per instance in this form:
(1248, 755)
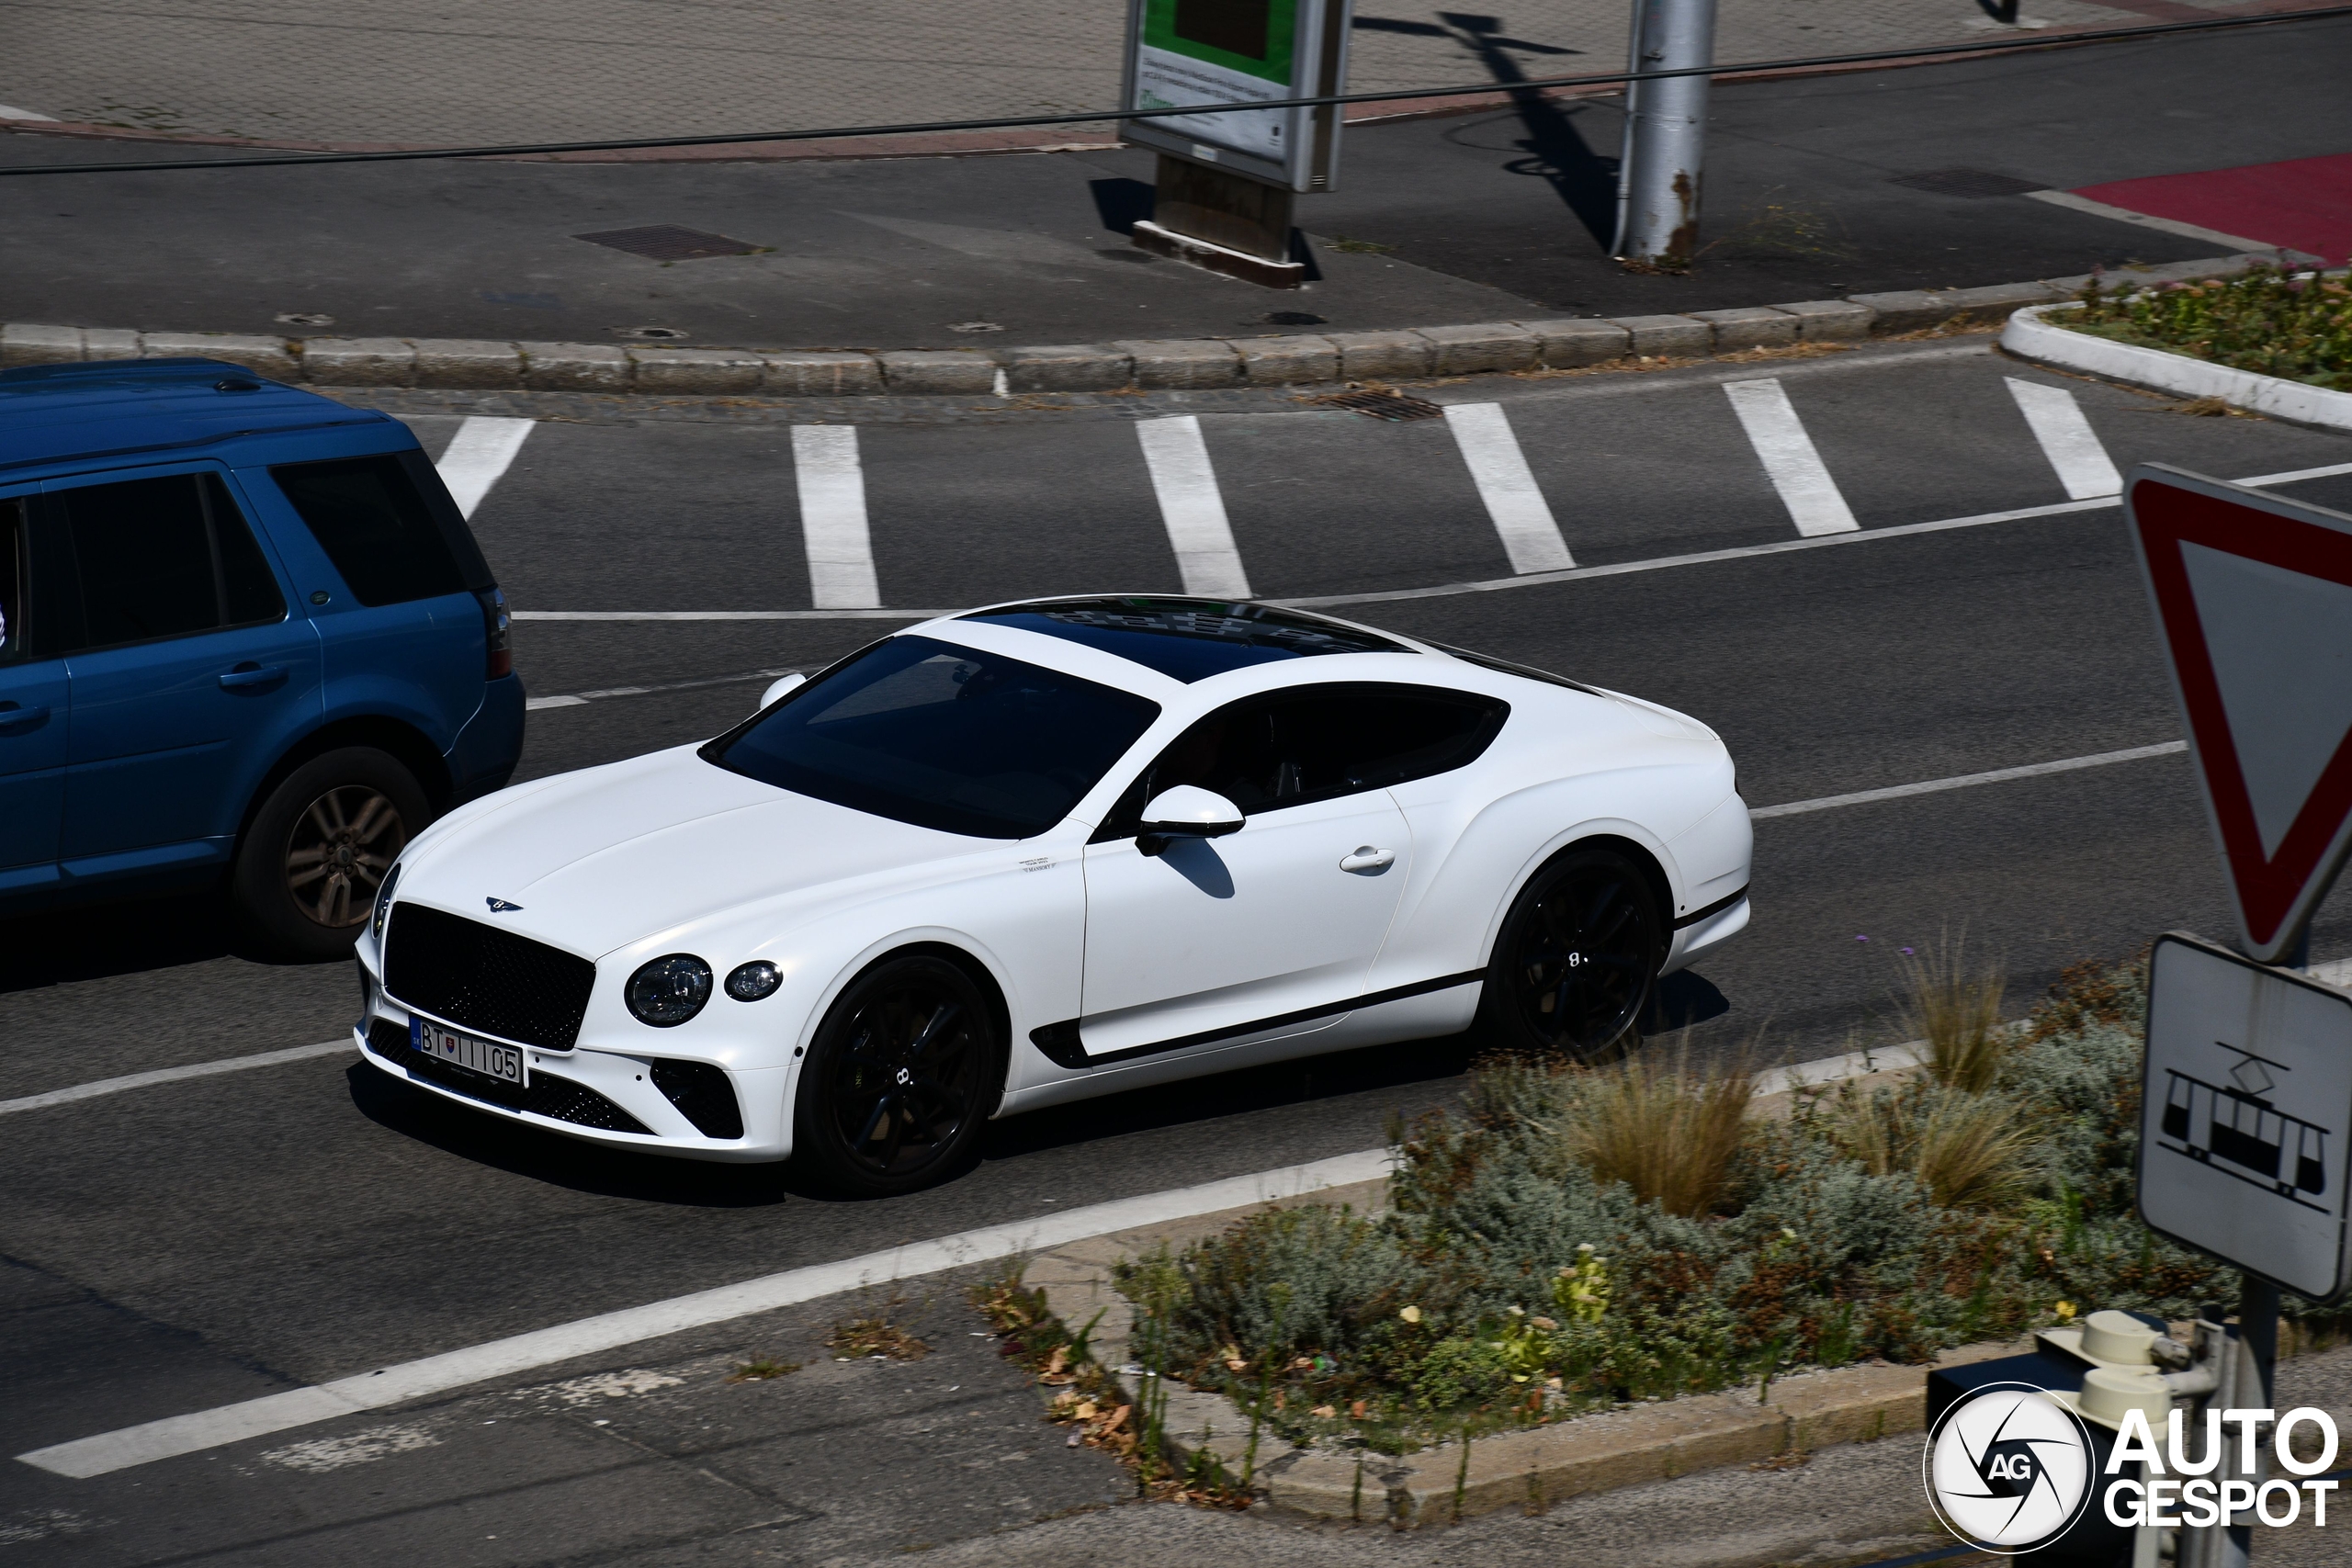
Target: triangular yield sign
(2253, 594)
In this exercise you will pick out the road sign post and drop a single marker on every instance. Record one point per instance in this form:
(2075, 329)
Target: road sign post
(1226, 181)
(2246, 1101)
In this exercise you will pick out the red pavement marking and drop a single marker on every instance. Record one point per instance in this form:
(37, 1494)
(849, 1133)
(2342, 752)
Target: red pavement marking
(2304, 204)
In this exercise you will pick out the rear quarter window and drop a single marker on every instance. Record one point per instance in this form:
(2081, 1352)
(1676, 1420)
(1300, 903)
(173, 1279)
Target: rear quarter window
(392, 533)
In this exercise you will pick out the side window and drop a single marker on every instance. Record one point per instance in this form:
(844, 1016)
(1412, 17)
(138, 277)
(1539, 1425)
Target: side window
(1266, 753)
(12, 580)
(373, 521)
(162, 558)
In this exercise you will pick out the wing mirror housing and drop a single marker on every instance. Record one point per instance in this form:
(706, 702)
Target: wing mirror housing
(1185, 812)
(777, 688)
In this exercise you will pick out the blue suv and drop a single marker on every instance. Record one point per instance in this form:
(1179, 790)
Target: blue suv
(245, 636)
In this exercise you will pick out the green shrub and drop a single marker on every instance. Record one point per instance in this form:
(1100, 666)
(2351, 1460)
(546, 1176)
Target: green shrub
(2266, 319)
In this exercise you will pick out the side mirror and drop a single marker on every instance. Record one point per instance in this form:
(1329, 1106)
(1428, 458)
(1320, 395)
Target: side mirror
(1185, 812)
(777, 688)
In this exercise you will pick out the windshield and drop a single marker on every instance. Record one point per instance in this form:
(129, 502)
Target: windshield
(939, 736)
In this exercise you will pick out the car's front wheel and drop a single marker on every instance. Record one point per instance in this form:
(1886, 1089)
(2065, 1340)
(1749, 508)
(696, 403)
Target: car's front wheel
(309, 870)
(1577, 961)
(904, 1070)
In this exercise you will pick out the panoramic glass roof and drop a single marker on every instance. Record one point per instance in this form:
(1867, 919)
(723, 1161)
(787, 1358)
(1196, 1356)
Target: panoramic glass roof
(1188, 639)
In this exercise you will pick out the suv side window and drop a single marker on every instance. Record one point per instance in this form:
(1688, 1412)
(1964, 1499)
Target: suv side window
(372, 518)
(160, 558)
(1293, 748)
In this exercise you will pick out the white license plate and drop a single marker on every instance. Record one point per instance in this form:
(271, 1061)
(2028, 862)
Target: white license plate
(492, 1060)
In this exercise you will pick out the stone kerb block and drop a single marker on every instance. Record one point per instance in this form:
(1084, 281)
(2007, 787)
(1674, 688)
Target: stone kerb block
(709, 371)
(574, 366)
(1829, 320)
(938, 372)
(1749, 326)
(1664, 337)
(1574, 341)
(109, 342)
(264, 355)
(1481, 346)
(23, 343)
(823, 374)
(1374, 356)
(1067, 368)
(1181, 362)
(1275, 361)
(359, 362)
(1904, 311)
(463, 363)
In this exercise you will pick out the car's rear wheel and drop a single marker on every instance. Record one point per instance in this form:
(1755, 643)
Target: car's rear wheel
(310, 866)
(904, 1070)
(1577, 962)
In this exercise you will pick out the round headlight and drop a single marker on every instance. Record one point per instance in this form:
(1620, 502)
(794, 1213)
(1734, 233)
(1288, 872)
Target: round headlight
(669, 990)
(750, 982)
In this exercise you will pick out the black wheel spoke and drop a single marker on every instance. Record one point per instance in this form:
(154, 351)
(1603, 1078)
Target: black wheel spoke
(1582, 954)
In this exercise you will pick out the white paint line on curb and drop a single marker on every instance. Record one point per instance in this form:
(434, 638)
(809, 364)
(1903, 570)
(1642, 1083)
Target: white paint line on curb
(97, 1087)
(1789, 457)
(1531, 537)
(1965, 780)
(832, 485)
(2067, 439)
(1191, 507)
(478, 456)
(2036, 333)
(205, 1429)
(2165, 225)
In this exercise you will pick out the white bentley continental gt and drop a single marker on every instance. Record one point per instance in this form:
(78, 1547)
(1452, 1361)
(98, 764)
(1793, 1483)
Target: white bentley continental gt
(1048, 850)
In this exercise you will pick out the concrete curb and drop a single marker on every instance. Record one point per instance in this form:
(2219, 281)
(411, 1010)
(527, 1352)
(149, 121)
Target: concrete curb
(2029, 336)
(1555, 343)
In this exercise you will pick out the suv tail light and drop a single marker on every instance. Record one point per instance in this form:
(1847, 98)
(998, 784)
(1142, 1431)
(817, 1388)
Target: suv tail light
(495, 623)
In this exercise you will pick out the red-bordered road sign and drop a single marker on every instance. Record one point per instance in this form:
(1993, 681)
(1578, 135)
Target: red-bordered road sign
(2253, 594)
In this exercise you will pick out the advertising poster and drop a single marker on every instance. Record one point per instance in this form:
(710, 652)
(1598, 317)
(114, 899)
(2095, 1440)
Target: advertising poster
(1213, 51)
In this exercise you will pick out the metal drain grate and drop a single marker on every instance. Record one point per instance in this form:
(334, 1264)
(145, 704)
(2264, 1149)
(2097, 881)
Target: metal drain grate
(1966, 182)
(667, 241)
(1382, 404)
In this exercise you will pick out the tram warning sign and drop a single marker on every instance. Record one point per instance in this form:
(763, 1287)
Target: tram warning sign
(2246, 1114)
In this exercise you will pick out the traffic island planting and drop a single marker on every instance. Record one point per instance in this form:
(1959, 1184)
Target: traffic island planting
(2272, 321)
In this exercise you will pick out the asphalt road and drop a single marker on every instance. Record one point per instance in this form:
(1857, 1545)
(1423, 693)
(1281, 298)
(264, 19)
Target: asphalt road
(173, 1249)
(1496, 215)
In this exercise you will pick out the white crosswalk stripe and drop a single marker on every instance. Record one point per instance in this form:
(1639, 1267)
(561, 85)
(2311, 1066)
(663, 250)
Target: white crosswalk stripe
(1796, 470)
(477, 457)
(2067, 439)
(832, 517)
(1191, 507)
(1531, 537)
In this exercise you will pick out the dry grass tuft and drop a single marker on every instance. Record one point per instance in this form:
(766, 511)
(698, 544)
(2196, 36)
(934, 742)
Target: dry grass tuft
(1968, 1151)
(1667, 1132)
(876, 1336)
(1957, 1010)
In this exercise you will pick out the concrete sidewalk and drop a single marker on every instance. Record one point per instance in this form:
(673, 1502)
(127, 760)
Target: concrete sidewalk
(423, 72)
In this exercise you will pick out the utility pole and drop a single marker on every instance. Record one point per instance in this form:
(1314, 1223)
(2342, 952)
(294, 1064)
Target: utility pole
(1666, 133)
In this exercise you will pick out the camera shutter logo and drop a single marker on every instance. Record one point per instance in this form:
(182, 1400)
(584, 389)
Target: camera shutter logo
(2008, 1469)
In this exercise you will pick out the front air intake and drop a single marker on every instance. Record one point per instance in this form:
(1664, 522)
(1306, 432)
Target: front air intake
(703, 1095)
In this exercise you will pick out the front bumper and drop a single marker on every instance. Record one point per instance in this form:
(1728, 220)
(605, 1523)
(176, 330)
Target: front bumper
(597, 1096)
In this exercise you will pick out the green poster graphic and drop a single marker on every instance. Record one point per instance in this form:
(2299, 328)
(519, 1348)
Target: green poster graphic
(1250, 36)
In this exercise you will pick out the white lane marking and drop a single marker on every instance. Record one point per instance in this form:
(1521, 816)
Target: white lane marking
(8, 113)
(1191, 507)
(2338, 972)
(1963, 781)
(832, 517)
(205, 1429)
(1531, 537)
(478, 456)
(2164, 225)
(2067, 439)
(1486, 585)
(170, 1075)
(582, 699)
(1790, 460)
(533, 705)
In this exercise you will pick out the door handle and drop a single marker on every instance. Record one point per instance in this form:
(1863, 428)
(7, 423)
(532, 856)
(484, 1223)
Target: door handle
(248, 675)
(1366, 858)
(13, 717)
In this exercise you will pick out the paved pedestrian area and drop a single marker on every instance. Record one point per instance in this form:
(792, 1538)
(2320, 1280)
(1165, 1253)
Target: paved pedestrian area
(423, 71)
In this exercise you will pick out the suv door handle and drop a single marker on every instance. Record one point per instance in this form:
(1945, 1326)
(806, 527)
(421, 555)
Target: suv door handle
(248, 675)
(13, 717)
(1366, 858)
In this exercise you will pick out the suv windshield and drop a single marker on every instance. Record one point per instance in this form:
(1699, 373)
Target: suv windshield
(939, 736)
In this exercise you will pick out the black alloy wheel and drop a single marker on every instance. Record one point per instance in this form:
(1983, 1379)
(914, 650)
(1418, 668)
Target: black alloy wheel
(1577, 962)
(905, 1070)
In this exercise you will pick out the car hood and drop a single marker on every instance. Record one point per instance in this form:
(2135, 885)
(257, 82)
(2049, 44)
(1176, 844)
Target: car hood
(596, 860)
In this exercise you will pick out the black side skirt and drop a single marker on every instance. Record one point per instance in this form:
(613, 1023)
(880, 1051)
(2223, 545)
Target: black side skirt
(1710, 912)
(1061, 1044)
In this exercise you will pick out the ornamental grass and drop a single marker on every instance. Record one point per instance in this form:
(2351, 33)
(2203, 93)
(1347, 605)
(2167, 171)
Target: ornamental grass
(2270, 320)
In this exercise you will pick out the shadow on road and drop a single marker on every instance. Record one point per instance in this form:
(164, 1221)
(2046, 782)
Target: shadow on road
(98, 941)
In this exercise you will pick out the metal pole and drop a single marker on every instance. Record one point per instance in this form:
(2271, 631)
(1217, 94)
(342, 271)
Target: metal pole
(1666, 133)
